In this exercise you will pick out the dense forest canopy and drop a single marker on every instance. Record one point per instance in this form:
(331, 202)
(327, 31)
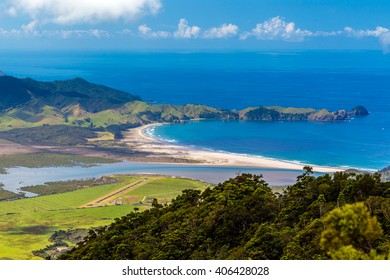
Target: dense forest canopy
(340, 216)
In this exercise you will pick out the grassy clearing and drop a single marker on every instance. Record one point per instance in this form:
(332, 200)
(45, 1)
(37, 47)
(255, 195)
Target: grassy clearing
(141, 192)
(59, 201)
(102, 136)
(291, 110)
(8, 122)
(22, 233)
(163, 189)
(27, 224)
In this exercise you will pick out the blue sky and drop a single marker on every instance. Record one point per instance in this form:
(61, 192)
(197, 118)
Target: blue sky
(195, 24)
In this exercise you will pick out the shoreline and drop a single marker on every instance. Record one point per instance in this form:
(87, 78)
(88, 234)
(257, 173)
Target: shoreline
(136, 139)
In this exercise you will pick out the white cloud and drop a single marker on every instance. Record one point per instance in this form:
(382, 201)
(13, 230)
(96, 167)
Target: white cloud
(185, 31)
(378, 32)
(78, 34)
(326, 33)
(144, 29)
(147, 32)
(84, 11)
(10, 33)
(385, 40)
(381, 33)
(29, 31)
(277, 29)
(224, 31)
(45, 11)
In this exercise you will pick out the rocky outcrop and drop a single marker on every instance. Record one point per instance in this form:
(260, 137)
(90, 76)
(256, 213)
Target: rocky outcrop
(359, 111)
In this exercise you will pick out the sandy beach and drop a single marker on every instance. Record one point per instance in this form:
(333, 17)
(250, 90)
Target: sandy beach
(138, 146)
(136, 139)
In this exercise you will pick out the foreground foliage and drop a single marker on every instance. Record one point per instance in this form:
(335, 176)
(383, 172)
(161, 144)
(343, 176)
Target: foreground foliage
(344, 216)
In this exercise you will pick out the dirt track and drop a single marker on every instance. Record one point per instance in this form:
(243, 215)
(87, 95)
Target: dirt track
(100, 200)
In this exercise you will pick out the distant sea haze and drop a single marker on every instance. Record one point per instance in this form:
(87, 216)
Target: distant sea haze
(236, 80)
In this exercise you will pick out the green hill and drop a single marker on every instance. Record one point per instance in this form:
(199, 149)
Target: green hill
(34, 95)
(29, 103)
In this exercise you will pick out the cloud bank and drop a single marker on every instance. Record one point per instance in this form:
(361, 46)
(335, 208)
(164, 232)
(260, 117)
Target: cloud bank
(147, 32)
(224, 31)
(277, 29)
(76, 11)
(185, 31)
(83, 11)
(381, 33)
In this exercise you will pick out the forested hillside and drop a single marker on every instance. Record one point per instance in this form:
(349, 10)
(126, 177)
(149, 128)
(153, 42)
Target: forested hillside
(343, 216)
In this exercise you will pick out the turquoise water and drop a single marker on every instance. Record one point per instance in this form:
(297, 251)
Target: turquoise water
(235, 80)
(360, 143)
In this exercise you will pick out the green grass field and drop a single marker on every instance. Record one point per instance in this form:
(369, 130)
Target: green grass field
(27, 224)
(164, 189)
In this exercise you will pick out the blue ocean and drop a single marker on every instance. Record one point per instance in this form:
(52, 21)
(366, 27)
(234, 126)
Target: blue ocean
(239, 79)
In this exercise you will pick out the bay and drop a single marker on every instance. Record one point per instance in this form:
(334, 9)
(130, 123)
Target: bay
(360, 143)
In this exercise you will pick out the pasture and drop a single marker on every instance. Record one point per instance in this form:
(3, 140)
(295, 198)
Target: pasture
(27, 224)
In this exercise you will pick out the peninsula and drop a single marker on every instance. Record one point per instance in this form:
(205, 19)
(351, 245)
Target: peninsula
(79, 117)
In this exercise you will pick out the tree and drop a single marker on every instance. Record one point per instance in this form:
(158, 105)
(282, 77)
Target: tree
(305, 245)
(350, 232)
(321, 204)
(266, 243)
(341, 200)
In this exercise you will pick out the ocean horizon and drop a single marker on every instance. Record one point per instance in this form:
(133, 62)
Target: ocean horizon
(238, 79)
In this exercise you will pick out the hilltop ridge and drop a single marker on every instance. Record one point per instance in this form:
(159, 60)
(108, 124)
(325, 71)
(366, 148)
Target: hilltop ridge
(32, 95)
